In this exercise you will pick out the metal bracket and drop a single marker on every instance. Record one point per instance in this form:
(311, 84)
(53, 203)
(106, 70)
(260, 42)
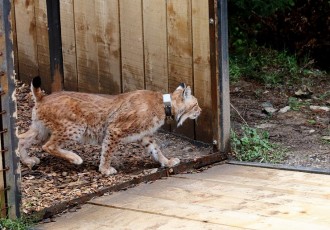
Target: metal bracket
(4, 169)
(3, 131)
(4, 150)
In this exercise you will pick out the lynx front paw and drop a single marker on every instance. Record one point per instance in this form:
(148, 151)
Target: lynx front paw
(30, 161)
(107, 172)
(173, 162)
(76, 160)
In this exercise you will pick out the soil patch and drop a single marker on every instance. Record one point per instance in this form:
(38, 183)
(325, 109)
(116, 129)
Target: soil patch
(302, 131)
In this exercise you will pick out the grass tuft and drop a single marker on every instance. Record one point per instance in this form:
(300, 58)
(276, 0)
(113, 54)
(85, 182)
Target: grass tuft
(254, 146)
(17, 224)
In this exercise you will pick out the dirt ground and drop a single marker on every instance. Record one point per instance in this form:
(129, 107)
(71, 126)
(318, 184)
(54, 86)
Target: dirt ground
(303, 131)
(62, 181)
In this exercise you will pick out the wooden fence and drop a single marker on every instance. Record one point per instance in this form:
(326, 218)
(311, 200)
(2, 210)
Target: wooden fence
(114, 46)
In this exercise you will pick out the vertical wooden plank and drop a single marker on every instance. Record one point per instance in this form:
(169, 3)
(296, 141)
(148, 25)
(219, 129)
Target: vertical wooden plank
(68, 45)
(132, 44)
(26, 40)
(155, 45)
(8, 121)
(180, 52)
(13, 18)
(223, 65)
(2, 173)
(87, 56)
(42, 43)
(202, 70)
(55, 45)
(108, 46)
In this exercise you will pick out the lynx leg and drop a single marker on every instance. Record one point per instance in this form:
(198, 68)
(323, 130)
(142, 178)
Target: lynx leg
(153, 149)
(25, 141)
(53, 146)
(109, 146)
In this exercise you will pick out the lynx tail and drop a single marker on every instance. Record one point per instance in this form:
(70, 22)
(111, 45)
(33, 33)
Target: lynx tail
(35, 89)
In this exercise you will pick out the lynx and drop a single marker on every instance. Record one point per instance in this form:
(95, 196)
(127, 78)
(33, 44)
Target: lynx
(64, 117)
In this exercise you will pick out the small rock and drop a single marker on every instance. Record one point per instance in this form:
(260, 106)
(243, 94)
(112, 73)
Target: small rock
(311, 131)
(46, 221)
(326, 138)
(284, 109)
(304, 92)
(327, 102)
(268, 108)
(72, 210)
(265, 126)
(315, 107)
(188, 149)
(64, 173)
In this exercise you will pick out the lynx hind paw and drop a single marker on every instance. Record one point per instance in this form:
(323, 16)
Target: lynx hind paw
(173, 162)
(108, 172)
(31, 161)
(77, 160)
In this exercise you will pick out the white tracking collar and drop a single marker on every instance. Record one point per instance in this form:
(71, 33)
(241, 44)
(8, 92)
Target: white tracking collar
(167, 104)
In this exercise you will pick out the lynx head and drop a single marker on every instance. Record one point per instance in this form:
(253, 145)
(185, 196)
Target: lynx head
(184, 104)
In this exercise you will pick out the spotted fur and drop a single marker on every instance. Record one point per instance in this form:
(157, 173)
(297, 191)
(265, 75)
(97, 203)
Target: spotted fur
(107, 120)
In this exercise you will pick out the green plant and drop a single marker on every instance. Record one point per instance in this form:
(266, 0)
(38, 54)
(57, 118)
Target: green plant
(312, 121)
(17, 224)
(296, 104)
(264, 64)
(254, 145)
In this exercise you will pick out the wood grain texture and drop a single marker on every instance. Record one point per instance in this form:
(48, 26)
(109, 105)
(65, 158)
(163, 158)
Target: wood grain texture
(132, 51)
(202, 69)
(43, 44)
(155, 45)
(69, 45)
(2, 178)
(180, 68)
(108, 46)
(86, 46)
(26, 40)
(235, 196)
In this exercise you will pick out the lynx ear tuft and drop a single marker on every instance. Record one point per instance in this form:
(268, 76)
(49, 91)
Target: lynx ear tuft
(36, 82)
(183, 85)
(187, 92)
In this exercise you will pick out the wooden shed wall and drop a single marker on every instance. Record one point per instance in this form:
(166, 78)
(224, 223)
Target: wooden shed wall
(114, 46)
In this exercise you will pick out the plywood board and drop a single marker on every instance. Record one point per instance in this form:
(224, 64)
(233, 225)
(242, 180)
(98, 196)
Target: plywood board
(131, 32)
(86, 46)
(69, 45)
(213, 199)
(238, 201)
(104, 218)
(155, 45)
(26, 40)
(42, 43)
(180, 52)
(202, 69)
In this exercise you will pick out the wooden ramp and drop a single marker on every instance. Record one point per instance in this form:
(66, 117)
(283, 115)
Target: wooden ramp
(223, 197)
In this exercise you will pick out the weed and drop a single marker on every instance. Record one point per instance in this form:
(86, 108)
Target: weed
(296, 104)
(254, 145)
(312, 122)
(266, 65)
(17, 224)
